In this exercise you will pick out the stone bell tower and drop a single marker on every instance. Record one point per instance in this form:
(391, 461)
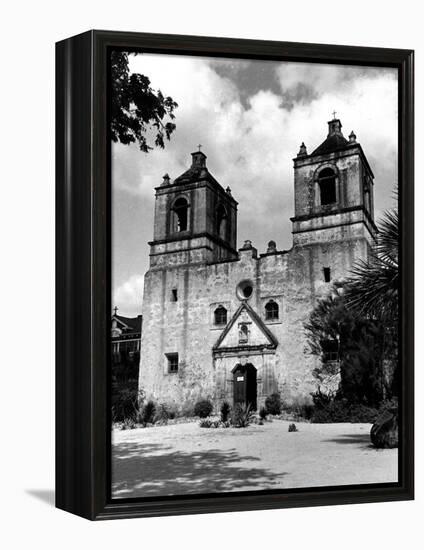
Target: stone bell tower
(195, 232)
(195, 219)
(334, 204)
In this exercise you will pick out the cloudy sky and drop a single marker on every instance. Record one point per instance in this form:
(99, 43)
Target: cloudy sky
(250, 117)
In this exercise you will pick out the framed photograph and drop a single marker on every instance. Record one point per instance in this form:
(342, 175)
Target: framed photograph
(234, 275)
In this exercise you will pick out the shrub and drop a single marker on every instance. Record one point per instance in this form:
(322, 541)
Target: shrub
(273, 404)
(210, 423)
(225, 411)
(125, 401)
(242, 416)
(205, 423)
(165, 412)
(306, 411)
(148, 413)
(300, 408)
(362, 413)
(203, 408)
(128, 424)
(390, 405)
(385, 431)
(161, 415)
(187, 409)
(329, 409)
(321, 399)
(292, 428)
(263, 413)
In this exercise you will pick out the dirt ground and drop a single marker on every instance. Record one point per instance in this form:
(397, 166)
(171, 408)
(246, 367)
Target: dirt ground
(184, 458)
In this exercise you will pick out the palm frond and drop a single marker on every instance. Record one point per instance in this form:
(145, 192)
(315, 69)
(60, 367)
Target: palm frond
(388, 240)
(372, 289)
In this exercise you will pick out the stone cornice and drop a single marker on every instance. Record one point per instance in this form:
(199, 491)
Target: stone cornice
(190, 237)
(324, 214)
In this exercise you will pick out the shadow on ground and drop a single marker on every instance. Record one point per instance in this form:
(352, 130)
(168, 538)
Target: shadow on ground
(354, 439)
(154, 470)
(45, 495)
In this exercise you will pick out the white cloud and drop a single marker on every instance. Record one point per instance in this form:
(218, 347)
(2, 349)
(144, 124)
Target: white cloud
(251, 144)
(128, 297)
(304, 81)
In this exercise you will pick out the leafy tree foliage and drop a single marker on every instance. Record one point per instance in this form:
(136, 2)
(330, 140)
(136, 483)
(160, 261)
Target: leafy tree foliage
(126, 400)
(360, 349)
(373, 289)
(126, 396)
(363, 317)
(138, 112)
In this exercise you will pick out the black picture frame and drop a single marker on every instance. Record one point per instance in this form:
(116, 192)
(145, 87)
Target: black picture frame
(83, 274)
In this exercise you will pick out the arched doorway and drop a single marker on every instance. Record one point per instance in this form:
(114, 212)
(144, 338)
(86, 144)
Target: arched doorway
(245, 384)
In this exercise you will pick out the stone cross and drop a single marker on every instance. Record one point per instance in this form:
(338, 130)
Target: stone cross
(334, 114)
(199, 146)
(115, 309)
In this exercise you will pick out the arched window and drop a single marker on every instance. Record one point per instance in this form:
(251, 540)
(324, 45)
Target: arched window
(327, 186)
(220, 316)
(221, 222)
(180, 211)
(271, 311)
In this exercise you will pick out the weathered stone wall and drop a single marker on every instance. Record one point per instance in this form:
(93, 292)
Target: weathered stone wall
(292, 279)
(349, 167)
(203, 199)
(330, 236)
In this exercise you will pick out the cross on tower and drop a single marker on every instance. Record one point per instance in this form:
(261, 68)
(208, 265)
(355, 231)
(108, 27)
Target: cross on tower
(199, 146)
(334, 114)
(115, 309)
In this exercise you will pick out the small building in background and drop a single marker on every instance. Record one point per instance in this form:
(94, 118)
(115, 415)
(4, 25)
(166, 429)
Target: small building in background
(125, 343)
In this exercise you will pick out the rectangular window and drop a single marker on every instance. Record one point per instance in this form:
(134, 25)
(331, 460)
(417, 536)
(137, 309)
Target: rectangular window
(330, 350)
(172, 359)
(174, 295)
(327, 274)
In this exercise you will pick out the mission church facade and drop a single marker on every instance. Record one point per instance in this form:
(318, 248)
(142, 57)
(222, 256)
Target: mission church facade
(228, 324)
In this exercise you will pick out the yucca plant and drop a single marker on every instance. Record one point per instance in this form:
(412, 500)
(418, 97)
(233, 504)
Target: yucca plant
(242, 415)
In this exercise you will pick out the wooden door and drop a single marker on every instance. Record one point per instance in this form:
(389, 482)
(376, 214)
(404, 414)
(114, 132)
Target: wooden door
(239, 385)
(251, 385)
(245, 385)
